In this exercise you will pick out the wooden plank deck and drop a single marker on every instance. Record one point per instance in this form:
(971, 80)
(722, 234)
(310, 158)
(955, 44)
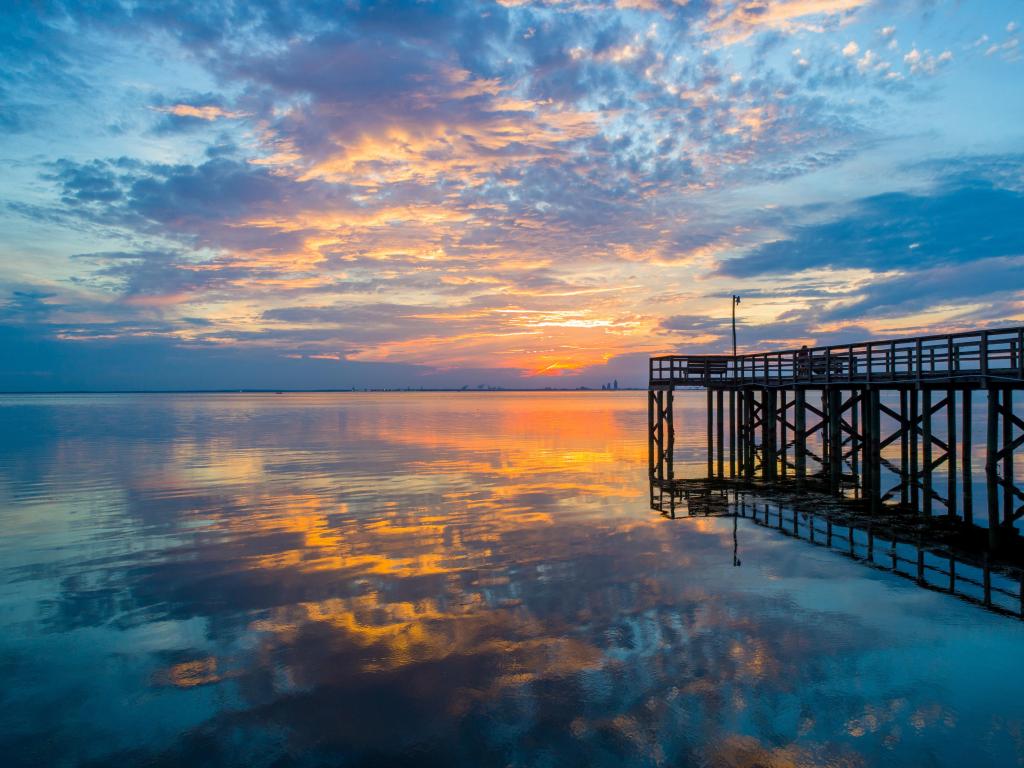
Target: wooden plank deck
(972, 359)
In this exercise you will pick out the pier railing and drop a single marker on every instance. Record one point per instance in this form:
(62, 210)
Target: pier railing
(971, 357)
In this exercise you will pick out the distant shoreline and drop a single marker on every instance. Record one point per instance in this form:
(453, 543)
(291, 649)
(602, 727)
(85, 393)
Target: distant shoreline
(368, 391)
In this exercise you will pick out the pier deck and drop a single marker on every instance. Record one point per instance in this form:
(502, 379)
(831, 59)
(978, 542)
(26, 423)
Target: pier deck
(974, 359)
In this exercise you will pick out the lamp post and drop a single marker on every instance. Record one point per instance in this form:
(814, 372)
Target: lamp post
(735, 301)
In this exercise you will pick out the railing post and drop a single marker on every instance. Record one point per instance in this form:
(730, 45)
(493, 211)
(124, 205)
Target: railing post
(1020, 353)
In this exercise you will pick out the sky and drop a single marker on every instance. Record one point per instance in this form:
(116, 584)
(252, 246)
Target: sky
(512, 193)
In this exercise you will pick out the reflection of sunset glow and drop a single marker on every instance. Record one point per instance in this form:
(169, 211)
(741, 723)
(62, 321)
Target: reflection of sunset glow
(466, 559)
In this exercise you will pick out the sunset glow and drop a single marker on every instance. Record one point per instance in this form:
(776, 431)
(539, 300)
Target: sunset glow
(498, 193)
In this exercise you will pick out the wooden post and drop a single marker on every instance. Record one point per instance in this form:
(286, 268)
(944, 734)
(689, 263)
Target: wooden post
(721, 433)
(965, 460)
(825, 442)
(1007, 457)
(784, 433)
(650, 433)
(732, 433)
(914, 470)
(857, 443)
(661, 436)
(951, 451)
(926, 444)
(768, 435)
(800, 423)
(836, 440)
(904, 450)
(748, 435)
(753, 444)
(741, 432)
(875, 449)
(711, 434)
(670, 448)
(992, 433)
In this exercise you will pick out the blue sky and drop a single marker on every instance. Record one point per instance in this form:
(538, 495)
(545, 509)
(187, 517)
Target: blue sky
(517, 193)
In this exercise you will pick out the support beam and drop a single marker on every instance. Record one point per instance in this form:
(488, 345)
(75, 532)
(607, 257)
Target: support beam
(650, 434)
(751, 429)
(732, 433)
(915, 496)
(904, 450)
(991, 486)
(768, 455)
(741, 434)
(875, 449)
(857, 443)
(800, 426)
(783, 432)
(965, 459)
(1007, 448)
(721, 432)
(926, 443)
(711, 433)
(671, 444)
(835, 451)
(951, 452)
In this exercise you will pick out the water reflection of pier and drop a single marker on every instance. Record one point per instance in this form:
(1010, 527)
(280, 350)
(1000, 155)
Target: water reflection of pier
(932, 564)
(832, 417)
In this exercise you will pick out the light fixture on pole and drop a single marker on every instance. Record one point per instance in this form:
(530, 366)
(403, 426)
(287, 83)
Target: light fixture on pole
(735, 301)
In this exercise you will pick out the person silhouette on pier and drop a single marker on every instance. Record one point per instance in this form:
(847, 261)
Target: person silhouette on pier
(803, 361)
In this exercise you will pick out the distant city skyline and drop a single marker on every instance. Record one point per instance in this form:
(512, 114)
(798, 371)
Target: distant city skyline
(513, 193)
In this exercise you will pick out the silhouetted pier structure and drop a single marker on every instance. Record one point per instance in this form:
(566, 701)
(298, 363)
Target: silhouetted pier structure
(833, 417)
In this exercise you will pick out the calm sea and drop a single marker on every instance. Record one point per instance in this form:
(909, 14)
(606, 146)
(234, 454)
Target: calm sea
(446, 579)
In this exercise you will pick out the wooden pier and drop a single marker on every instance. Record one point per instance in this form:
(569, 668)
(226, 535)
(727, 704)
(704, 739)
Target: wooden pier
(854, 418)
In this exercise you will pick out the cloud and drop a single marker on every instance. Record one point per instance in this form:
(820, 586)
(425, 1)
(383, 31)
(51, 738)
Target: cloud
(898, 230)
(525, 188)
(992, 282)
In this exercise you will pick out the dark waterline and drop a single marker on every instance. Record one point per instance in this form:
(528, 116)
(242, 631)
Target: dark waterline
(311, 579)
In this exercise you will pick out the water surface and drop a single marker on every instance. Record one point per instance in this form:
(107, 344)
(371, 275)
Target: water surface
(446, 579)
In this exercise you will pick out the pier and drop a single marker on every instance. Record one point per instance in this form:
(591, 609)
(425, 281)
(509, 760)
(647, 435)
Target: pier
(887, 423)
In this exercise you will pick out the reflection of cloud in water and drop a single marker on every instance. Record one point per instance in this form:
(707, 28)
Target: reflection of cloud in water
(462, 579)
